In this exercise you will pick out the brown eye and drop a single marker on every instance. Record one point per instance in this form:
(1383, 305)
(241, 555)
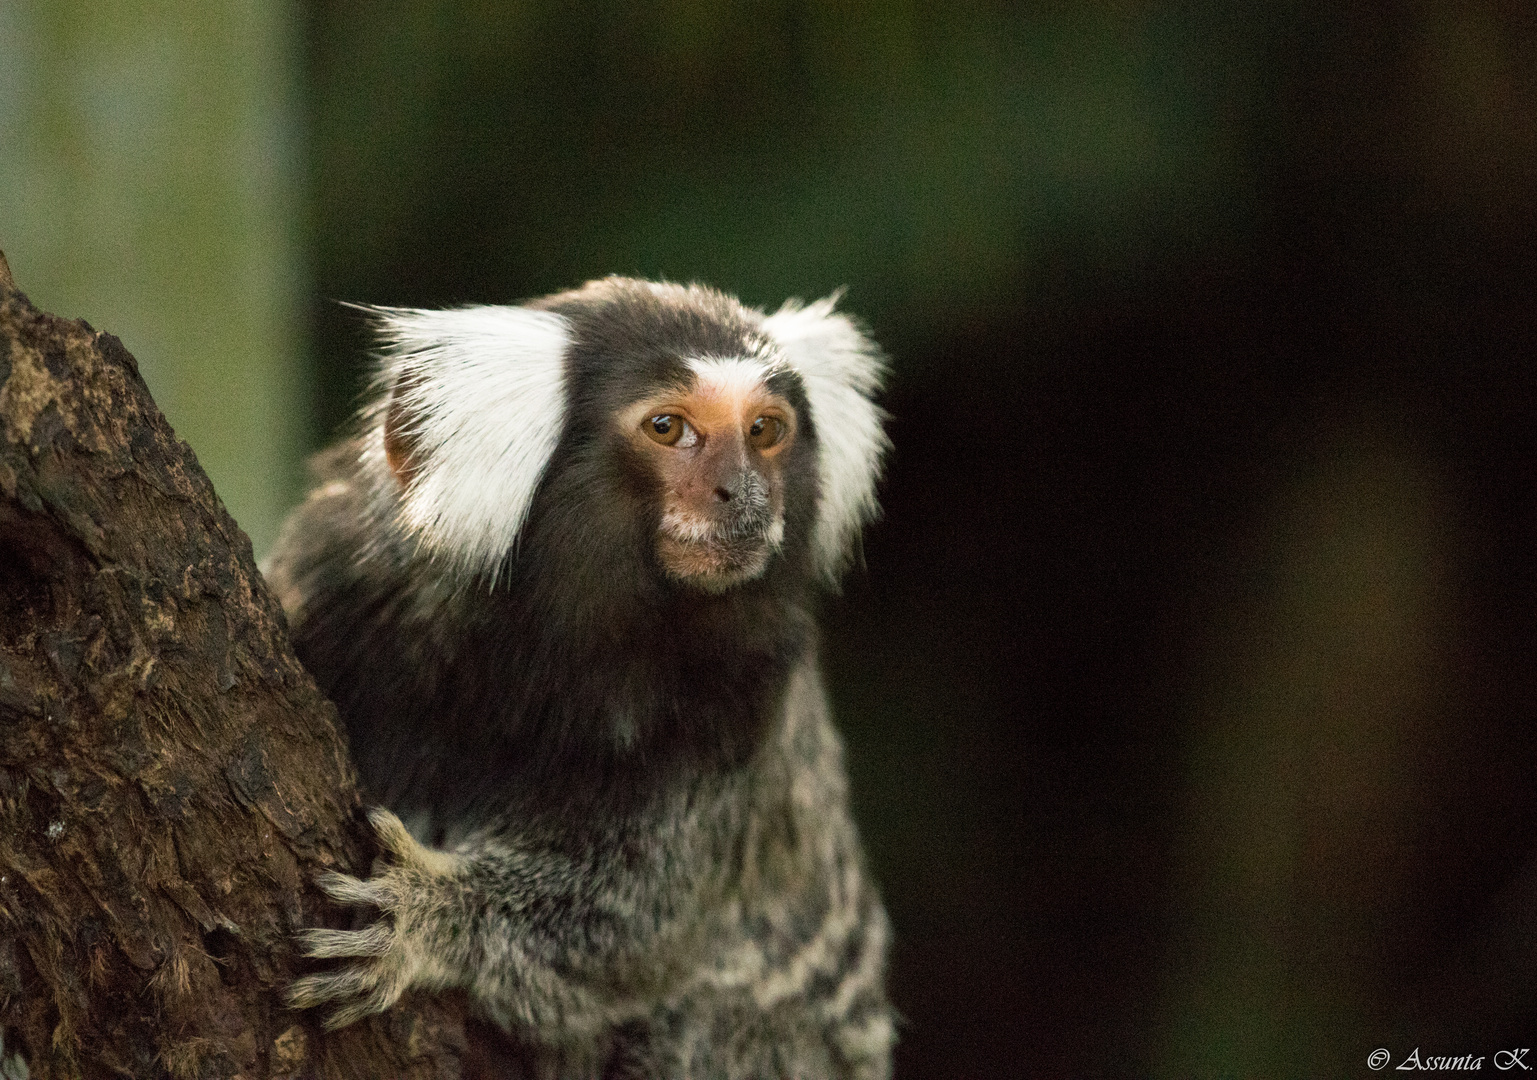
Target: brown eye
(765, 432)
(664, 429)
(669, 430)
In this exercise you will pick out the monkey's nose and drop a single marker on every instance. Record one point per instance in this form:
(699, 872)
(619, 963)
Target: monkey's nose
(730, 487)
(737, 492)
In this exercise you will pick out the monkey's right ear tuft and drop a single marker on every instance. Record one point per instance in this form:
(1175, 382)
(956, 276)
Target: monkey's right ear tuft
(472, 403)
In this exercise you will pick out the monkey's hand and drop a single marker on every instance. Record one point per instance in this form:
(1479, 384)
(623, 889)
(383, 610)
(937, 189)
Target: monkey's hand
(412, 944)
(460, 919)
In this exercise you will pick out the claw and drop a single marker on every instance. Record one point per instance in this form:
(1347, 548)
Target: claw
(354, 1011)
(393, 834)
(321, 944)
(346, 889)
(303, 992)
(349, 1014)
(404, 848)
(358, 995)
(314, 990)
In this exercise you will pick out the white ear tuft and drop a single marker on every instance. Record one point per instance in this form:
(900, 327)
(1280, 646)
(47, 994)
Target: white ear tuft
(479, 395)
(841, 368)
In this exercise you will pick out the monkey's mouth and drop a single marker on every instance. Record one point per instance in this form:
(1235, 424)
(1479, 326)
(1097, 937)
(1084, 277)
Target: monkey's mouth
(714, 557)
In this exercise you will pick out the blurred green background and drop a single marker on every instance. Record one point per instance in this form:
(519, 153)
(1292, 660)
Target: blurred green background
(1188, 682)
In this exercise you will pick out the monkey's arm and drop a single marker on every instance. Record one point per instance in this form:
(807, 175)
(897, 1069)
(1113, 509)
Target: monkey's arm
(450, 919)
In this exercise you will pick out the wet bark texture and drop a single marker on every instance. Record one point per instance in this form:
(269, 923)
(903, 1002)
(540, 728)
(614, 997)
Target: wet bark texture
(171, 780)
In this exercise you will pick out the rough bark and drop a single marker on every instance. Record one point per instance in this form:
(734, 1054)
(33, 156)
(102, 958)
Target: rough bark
(171, 780)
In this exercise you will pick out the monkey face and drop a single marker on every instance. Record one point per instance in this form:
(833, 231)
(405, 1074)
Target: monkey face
(714, 446)
(741, 436)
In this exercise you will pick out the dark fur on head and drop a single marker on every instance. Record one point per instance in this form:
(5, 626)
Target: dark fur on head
(560, 586)
(584, 671)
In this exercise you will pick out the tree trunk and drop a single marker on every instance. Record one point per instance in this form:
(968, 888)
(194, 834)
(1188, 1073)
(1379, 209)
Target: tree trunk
(171, 780)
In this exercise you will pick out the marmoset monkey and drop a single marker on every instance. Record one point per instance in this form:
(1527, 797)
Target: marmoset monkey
(561, 587)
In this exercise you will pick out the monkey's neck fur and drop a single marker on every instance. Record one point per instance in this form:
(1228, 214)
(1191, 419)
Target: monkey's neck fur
(546, 693)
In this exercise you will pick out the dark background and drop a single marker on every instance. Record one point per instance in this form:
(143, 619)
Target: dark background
(1188, 681)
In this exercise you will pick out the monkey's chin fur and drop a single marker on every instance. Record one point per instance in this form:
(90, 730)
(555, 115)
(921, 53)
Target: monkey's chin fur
(714, 564)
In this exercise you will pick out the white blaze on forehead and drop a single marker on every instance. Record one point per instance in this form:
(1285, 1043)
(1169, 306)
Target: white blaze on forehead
(481, 391)
(734, 378)
(840, 369)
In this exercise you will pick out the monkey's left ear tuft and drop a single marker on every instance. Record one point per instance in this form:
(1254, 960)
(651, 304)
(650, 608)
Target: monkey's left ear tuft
(841, 369)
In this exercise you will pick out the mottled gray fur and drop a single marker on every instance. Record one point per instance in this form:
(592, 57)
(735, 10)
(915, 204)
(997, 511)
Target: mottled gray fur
(653, 902)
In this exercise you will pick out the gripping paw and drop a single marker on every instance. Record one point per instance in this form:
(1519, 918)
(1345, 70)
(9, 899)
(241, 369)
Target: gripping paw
(394, 953)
